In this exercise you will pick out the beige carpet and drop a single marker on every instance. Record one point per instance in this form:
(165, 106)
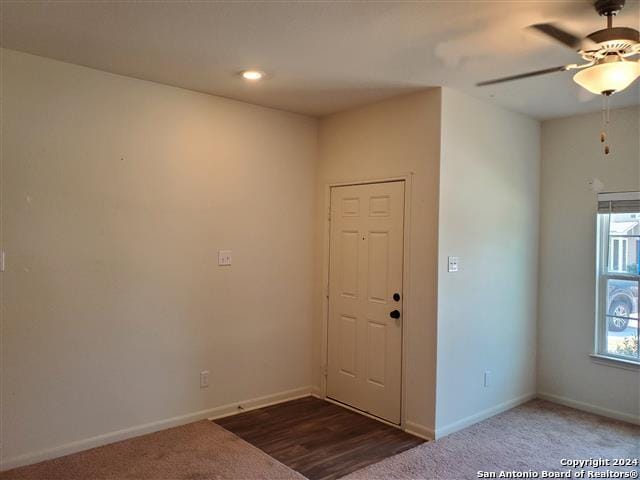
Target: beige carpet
(534, 436)
(197, 451)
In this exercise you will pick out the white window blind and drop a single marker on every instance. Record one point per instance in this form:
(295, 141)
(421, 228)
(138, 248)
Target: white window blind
(621, 202)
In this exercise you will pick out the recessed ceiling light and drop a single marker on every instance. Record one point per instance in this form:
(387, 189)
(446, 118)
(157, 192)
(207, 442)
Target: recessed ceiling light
(252, 74)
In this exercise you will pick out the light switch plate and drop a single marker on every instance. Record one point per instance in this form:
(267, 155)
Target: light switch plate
(224, 257)
(453, 264)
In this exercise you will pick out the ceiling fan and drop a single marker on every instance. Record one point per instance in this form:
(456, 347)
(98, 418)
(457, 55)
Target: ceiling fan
(607, 53)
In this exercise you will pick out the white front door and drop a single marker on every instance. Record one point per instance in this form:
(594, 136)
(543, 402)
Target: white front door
(365, 297)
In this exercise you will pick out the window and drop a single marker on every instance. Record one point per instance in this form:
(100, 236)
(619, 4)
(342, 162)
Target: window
(617, 333)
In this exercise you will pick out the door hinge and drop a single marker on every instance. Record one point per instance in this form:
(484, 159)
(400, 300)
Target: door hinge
(325, 370)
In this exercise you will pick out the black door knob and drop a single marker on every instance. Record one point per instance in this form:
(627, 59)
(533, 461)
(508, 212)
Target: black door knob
(396, 297)
(395, 314)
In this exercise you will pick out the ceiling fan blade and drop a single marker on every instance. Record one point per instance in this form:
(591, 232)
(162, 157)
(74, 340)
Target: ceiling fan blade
(523, 75)
(563, 36)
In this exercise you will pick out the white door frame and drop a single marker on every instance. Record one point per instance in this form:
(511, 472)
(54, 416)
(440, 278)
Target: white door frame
(407, 179)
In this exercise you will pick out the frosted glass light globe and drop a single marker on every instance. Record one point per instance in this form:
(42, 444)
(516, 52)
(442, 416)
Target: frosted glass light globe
(608, 76)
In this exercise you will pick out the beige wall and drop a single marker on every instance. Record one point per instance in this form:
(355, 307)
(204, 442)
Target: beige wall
(489, 194)
(117, 194)
(571, 157)
(396, 137)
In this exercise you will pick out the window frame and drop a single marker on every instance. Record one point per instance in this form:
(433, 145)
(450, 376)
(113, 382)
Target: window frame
(603, 275)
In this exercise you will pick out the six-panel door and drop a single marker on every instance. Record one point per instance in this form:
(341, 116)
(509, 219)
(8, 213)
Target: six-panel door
(365, 271)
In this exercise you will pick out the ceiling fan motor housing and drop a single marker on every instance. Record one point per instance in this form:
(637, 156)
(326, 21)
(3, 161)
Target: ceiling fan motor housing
(616, 39)
(609, 8)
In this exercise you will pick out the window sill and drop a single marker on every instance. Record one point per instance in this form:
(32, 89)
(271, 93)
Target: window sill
(615, 362)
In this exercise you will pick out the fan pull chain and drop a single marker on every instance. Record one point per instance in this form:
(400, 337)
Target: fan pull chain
(606, 120)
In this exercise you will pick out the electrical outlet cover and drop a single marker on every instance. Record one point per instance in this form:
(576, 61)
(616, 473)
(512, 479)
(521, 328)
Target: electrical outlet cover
(453, 264)
(204, 378)
(224, 257)
(487, 379)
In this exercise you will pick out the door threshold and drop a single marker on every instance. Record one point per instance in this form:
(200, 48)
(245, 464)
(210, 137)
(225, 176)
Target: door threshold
(362, 412)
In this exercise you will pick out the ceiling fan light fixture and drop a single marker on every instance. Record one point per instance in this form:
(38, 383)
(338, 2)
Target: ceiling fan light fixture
(612, 74)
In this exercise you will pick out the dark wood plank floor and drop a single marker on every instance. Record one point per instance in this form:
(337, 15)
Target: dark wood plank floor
(319, 439)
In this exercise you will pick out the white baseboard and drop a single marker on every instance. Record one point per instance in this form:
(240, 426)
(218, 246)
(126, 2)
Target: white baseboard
(316, 391)
(483, 415)
(259, 402)
(106, 438)
(588, 407)
(419, 430)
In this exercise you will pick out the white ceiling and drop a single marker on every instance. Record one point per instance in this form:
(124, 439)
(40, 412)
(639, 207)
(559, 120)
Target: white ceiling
(321, 56)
